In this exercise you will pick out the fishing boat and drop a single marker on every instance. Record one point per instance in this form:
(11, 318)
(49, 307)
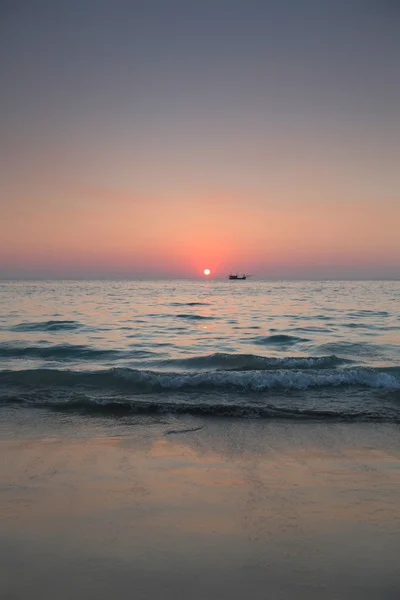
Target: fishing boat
(238, 277)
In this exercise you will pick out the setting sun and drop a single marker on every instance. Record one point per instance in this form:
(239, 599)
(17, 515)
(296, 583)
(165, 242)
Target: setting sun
(206, 271)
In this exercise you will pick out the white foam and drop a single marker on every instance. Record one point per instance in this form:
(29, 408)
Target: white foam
(258, 381)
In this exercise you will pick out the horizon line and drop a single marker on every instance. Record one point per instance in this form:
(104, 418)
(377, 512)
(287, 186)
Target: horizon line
(199, 278)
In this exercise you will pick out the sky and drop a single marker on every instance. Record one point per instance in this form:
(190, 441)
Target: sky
(157, 138)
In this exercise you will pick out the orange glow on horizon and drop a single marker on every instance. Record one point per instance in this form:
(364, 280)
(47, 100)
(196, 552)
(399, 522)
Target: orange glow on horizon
(271, 236)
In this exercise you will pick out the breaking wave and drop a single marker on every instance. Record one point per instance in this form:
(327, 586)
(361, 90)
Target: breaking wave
(146, 381)
(325, 393)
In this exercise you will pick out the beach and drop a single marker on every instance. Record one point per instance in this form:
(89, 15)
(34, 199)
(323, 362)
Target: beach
(196, 440)
(151, 507)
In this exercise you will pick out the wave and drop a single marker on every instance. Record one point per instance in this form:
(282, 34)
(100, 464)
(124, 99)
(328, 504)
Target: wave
(310, 317)
(351, 348)
(254, 362)
(279, 340)
(114, 407)
(219, 360)
(194, 317)
(312, 328)
(348, 394)
(189, 304)
(56, 352)
(47, 326)
(370, 327)
(369, 313)
(136, 381)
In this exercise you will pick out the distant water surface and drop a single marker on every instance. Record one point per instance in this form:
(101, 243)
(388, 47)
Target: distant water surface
(287, 350)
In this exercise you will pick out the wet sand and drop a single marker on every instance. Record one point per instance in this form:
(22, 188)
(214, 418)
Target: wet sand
(147, 508)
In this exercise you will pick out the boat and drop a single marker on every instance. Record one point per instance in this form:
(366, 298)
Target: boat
(238, 277)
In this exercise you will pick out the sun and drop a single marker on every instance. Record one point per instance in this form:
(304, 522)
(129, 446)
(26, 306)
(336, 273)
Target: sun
(206, 271)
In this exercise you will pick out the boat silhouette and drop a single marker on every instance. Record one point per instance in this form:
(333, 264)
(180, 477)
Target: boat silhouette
(238, 277)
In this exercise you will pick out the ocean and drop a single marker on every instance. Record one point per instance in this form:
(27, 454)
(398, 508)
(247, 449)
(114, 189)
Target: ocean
(286, 350)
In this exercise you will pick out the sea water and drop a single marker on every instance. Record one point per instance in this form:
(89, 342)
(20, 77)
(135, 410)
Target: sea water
(304, 350)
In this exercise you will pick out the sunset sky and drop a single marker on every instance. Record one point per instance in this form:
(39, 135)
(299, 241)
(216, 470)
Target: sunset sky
(155, 138)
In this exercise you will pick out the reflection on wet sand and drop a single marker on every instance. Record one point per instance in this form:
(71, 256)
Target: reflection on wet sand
(277, 509)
